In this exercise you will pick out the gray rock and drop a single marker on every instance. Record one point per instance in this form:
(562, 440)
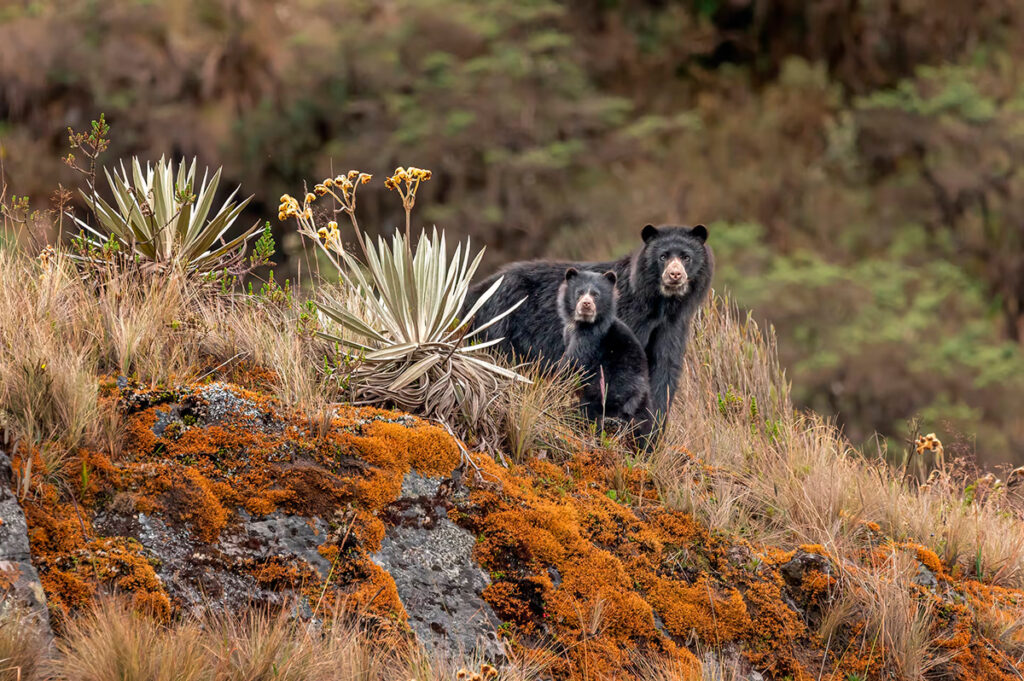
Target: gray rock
(17, 574)
(200, 576)
(196, 576)
(926, 578)
(794, 569)
(222, 403)
(415, 486)
(164, 418)
(214, 404)
(431, 560)
(284, 535)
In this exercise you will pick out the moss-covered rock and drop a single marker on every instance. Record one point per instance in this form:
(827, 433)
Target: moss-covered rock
(221, 499)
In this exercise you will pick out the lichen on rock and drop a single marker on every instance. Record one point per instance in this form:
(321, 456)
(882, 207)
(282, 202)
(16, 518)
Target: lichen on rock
(18, 576)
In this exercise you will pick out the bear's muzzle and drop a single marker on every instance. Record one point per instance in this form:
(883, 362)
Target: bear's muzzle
(586, 308)
(674, 280)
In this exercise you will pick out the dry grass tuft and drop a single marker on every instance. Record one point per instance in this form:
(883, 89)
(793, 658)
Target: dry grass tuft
(67, 330)
(23, 645)
(898, 621)
(275, 335)
(115, 642)
(541, 416)
(47, 354)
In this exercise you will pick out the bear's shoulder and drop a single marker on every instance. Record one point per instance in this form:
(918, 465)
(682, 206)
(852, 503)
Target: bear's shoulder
(621, 344)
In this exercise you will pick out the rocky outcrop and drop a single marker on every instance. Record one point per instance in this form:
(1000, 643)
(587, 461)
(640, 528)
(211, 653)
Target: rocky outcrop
(19, 581)
(219, 500)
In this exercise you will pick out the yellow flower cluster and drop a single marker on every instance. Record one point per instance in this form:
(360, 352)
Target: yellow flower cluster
(330, 235)
(928, 443)
(345, 183)
(408, 176)
(486, 673)
(290, 207)
(47, 256)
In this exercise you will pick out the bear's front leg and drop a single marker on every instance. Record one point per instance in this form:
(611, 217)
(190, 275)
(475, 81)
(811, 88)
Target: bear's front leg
(665, 358)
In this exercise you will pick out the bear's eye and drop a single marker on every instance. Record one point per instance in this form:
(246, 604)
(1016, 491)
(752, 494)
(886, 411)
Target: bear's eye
(686, 258)
(663, 257)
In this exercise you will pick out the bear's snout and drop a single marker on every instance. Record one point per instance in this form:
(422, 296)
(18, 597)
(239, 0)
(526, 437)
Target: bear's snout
(586, 308)
(673, 278)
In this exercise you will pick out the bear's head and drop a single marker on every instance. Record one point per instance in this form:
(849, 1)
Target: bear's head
(587, 298)
(672, 258)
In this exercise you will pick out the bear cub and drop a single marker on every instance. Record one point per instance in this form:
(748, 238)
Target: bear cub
(614, 366)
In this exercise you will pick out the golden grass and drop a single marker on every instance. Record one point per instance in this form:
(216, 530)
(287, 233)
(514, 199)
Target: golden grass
(47, 354)
(539, 417)
(115, 642)
(897, 622)
(68, 330)
(269, 334)
(782, 478)
(23, 644)
(738, 457)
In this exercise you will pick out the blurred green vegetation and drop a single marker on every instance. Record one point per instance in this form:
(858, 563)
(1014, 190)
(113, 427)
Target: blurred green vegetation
(860, 163)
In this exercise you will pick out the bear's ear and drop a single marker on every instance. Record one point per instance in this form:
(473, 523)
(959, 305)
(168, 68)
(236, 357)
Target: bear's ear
(701, 232)
(610, 276)
(570, 273)
(648, 233)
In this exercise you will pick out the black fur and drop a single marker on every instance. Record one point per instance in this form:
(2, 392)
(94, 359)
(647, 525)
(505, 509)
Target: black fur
(613, 364)
(660, 320)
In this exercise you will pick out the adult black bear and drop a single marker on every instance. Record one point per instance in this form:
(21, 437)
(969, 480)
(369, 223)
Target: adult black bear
(613, 364)
(660, 287)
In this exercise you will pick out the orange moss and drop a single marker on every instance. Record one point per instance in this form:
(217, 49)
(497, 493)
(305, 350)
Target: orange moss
(511, 601)
(817, 586)
(817, 549)
(138, 436)
(927, 558)
(71, 580)
(563, 555)
(699, 610)
(394, 449)
(369, 530)
(776, 630)
(251, 376)
(377, 595)
(278, 574)
(184, 494)
(959, 636)
(773, 555)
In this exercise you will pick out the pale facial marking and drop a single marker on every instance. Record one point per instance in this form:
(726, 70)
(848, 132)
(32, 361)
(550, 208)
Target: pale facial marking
(674, 280)
(586, 308)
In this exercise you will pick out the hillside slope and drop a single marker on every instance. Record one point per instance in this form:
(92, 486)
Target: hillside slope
(222, 473)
